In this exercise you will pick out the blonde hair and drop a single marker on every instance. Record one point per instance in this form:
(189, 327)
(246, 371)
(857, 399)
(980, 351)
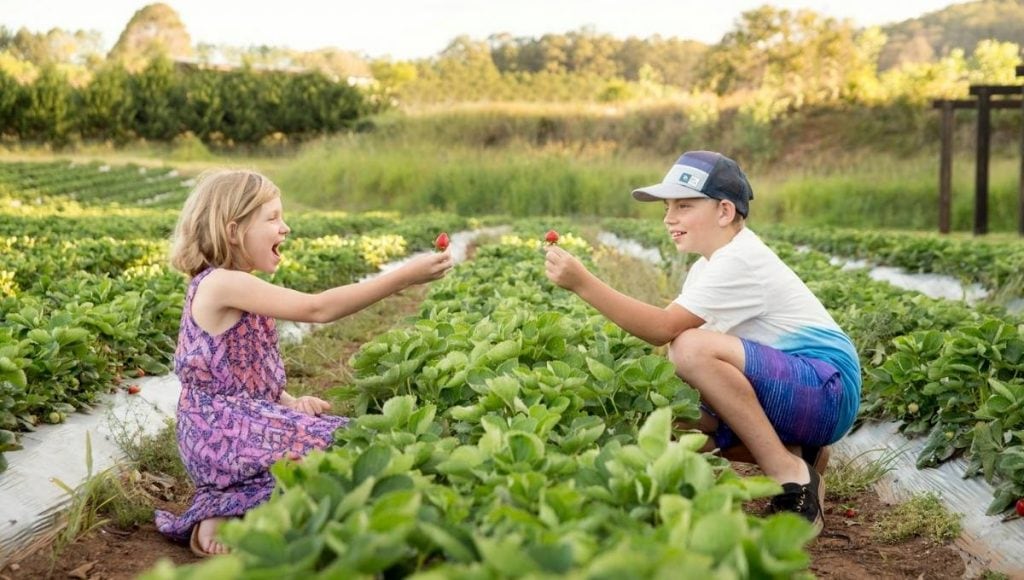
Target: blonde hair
(201, 237)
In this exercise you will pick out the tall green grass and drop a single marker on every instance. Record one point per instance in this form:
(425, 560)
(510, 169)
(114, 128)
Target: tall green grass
(363, 173)
(411, 174)
(878, 191)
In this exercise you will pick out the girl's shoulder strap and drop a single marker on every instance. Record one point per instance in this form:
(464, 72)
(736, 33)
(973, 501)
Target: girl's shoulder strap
(199, 277)
(194, 282)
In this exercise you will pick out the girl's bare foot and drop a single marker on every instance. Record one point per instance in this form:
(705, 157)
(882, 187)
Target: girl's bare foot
(206, 534)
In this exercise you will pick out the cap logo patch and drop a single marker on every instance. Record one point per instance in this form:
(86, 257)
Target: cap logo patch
(690, 180)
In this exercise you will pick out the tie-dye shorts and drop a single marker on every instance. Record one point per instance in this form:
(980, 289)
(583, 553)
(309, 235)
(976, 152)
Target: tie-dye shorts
(801, 396)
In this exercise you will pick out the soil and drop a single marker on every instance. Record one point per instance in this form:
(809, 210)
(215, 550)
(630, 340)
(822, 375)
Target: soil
(847, 550)
(844, 550)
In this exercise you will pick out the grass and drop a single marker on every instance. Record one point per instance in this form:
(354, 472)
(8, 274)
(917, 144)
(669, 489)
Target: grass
(110, 496)
(365, 172)
(152, 453)
(846, 478)
(558, 160)
(924, 515)
(635, 277)
(82, 515)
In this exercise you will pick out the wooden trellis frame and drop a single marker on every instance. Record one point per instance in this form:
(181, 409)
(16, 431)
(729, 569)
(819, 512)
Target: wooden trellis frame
(983, 103)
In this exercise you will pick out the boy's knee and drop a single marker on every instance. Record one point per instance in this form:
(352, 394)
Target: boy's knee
(686, 349)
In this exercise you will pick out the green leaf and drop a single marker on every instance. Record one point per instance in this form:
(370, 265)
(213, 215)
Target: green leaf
(525, 447)
(422, 419)
(355, 499)
(398, 409)
(783, 538)
(372, 461)
(654, 436)
(459, 549)
(461, 461)
(718, 534)
(391, 483)
(267, 548)
(395, 511)
(600, 371)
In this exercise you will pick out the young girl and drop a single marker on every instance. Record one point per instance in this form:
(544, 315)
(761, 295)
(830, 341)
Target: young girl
(234, 417)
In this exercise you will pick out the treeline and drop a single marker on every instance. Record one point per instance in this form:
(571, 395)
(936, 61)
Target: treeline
(162, 102)
(772, 62)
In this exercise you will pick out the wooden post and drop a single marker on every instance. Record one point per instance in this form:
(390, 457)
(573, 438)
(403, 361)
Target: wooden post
(981, 168)
(946, 166)
(1020, 183)
(983, 105)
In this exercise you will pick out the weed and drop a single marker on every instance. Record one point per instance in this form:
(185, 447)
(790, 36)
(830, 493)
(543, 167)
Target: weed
(924, 515)
(848, 477)
(82, 515)
(157, 453)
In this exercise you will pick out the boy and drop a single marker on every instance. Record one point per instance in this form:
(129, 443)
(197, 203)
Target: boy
(772, 367)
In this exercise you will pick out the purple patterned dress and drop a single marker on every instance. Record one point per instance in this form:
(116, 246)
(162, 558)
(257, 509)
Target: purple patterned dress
(230, 426)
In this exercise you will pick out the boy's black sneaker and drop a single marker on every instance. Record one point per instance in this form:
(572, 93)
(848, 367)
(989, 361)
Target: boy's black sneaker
(802, 499)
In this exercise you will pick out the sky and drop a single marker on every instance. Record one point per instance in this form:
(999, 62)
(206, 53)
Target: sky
(408, 29)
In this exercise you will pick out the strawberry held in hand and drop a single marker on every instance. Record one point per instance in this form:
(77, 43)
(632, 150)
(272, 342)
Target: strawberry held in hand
(441, 243)
(551, 237)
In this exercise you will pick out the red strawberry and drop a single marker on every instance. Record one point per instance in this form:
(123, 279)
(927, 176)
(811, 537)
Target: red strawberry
(551, 237)
(850, 513)
(1020, 507)
(134, 389)
(441, 243)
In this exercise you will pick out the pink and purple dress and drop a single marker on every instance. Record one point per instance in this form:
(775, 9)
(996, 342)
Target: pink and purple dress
(231, 428)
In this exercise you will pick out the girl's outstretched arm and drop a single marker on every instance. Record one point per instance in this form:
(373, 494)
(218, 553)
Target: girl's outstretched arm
(225, 292)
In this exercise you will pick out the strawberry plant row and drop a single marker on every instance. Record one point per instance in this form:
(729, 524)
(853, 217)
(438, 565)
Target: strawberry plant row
(93, 183)
(511, 432)
(993, 264)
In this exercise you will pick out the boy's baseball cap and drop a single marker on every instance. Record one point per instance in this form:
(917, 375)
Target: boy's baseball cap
(702, 174)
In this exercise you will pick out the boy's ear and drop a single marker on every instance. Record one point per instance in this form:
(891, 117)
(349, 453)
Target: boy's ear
(726, 212)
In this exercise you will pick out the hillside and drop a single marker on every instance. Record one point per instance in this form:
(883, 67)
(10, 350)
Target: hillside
(963, 25)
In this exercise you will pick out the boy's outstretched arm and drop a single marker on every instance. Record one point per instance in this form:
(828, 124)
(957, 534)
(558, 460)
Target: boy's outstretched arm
(655, 325)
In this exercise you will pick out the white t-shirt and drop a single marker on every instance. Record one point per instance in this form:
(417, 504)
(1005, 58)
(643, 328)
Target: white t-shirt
(746, 291)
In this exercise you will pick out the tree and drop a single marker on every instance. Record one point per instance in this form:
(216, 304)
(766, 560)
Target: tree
(995, 62)
(47, 111)
(155, 30)
(799, 56)
(10, 97)
(105, 106)
(157, 101)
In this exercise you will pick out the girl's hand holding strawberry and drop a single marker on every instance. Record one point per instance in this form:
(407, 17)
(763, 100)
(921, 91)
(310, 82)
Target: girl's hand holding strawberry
(427, 267)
